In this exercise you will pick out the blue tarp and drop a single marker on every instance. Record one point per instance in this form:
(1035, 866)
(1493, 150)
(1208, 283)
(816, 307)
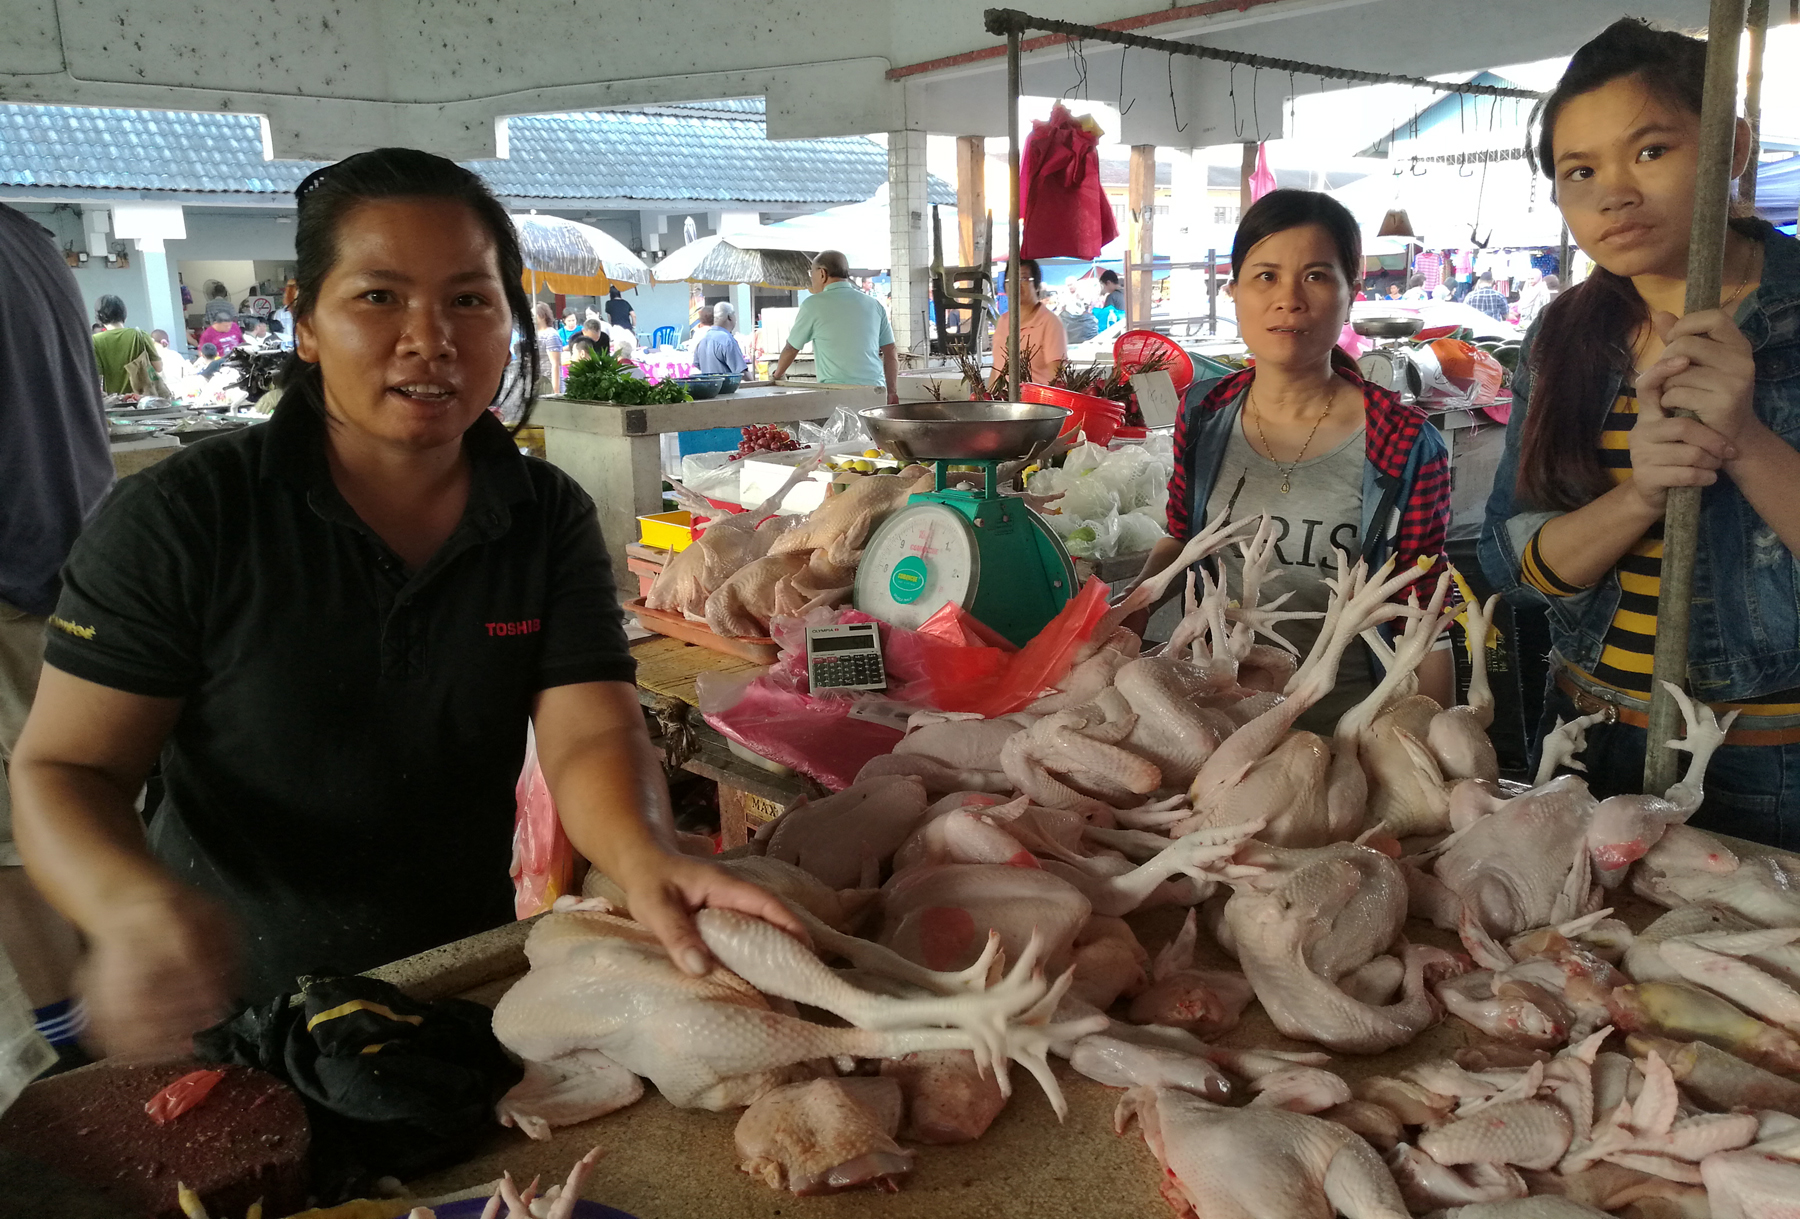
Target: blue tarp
(1778, 190)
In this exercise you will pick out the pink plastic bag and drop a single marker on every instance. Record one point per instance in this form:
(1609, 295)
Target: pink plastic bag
(543, 858)
(816, 736)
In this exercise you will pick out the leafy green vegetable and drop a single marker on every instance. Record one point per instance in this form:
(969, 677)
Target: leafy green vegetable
(603, 377)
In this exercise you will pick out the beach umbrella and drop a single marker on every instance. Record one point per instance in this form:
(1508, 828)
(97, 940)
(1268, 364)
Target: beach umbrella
(714, 260)
(575, 259)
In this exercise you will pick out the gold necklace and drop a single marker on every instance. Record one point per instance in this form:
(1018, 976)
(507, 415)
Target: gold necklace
(1750, 264)
(1287, 475)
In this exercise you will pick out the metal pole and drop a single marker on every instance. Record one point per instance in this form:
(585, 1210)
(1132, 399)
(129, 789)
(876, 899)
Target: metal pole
(1757, 21)
(1212, 293)
(1564, 271)
(1014, 375)
(1705, 273)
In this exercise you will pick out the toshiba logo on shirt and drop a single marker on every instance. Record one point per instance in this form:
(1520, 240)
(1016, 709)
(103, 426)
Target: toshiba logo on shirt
(526, 626)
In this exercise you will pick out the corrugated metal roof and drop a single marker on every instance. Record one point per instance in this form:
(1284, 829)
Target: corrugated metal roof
(694, 151)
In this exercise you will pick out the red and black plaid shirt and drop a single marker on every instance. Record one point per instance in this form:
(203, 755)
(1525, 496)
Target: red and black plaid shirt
(1391, 427)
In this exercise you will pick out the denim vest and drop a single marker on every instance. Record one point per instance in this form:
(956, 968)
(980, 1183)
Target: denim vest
(1384, 496)
(1744, 635)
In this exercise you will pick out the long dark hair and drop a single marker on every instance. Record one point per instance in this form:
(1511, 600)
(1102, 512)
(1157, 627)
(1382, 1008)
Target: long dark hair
(1281, 210)
(1584, 335)
(330, 194)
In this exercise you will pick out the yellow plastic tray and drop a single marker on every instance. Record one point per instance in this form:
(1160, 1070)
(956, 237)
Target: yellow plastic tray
(668, 530)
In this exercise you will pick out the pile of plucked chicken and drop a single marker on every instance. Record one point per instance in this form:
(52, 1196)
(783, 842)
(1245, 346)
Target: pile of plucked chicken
(749, 567)
(967, 901)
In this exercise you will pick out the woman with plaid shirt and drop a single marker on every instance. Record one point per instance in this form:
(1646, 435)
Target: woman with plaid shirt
(1342, 467)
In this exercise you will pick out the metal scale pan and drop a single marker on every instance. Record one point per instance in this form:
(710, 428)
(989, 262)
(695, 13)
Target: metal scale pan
(1390, 366)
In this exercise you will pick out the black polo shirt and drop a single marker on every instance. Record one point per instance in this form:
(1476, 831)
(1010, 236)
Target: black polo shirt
(341, 775)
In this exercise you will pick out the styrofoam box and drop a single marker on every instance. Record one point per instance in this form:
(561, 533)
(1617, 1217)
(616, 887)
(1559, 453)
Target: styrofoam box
(763, 474)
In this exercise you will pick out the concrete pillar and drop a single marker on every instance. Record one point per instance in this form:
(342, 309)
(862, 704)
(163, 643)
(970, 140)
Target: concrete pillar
(971, 197)
(743, 299)
(165, 305)
(909, 240)
(1140, 244)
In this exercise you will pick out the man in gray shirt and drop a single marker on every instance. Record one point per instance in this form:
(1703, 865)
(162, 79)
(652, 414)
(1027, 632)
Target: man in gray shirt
(55, 468)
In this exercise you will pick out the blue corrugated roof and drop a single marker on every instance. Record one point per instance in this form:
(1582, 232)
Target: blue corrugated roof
(697, 151)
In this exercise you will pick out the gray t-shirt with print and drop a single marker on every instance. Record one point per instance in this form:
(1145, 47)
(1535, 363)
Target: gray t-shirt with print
(1319, 514)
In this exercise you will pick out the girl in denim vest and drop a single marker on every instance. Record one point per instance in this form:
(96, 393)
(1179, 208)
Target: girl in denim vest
(1575, 519)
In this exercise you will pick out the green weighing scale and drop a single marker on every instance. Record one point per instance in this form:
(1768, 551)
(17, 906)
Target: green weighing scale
(987, 552)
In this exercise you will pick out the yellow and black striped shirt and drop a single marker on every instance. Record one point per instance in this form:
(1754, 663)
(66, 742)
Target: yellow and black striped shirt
(1625, 657)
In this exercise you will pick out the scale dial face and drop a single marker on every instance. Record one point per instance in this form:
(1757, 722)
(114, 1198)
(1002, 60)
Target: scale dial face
(921, 558)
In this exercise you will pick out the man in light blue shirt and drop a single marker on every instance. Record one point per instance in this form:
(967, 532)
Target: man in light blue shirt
(853, 341)
(718, 350)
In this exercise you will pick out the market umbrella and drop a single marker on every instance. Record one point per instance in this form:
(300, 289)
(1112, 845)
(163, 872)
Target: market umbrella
(714, 260)
(575, 259)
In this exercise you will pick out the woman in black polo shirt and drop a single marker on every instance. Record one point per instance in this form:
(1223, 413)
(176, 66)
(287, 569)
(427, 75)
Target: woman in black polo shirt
(334, 628)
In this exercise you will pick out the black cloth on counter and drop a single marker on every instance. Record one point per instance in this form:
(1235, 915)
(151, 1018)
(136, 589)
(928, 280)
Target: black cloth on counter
(393, 1086)
(341, 774)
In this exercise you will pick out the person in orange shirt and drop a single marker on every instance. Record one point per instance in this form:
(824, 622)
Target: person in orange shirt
(1042, 341)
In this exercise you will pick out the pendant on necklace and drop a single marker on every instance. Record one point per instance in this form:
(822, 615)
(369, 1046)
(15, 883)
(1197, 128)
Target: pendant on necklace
(1284, 486)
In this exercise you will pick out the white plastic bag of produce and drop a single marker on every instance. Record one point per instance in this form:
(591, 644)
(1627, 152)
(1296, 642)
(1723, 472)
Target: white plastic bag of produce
(1139, 531)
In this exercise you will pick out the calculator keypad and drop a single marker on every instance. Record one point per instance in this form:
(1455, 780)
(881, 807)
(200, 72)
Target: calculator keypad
(848, 670)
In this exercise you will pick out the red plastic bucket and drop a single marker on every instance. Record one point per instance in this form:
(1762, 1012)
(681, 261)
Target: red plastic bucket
(1078, 405)
(1100, 424)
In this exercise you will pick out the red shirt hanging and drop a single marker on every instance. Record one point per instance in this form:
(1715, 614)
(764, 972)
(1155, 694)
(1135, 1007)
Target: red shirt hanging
(1065, 211)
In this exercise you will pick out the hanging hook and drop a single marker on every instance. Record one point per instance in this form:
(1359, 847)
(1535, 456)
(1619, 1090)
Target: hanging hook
(1237, 124)
(1123, 108)
(1174, 110)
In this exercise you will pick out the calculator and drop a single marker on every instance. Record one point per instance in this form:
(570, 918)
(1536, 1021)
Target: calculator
(846, 657)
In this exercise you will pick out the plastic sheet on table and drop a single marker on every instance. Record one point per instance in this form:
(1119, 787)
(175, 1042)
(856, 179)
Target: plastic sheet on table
(953, 664)
(819, 737)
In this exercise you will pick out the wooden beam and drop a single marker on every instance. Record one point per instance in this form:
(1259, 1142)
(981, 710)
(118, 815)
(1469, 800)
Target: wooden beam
(1705, 273)
(1140, 225)
(1246, 169)
(971, 196)
(1757, 21)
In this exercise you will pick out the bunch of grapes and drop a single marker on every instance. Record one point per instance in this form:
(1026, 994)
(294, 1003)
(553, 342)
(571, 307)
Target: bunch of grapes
(765, 438)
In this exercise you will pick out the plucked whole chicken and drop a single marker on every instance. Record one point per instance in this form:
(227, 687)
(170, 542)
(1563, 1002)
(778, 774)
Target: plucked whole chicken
(748, 567)
(975, 902)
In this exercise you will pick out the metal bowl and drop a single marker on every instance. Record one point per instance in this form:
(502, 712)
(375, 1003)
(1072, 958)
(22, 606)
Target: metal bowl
(979, 431)
(1387, 327)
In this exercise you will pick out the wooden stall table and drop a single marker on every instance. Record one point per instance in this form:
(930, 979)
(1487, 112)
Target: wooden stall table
(750, 792)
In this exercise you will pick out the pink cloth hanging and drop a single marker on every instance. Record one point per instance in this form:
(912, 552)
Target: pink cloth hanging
(1262, 178)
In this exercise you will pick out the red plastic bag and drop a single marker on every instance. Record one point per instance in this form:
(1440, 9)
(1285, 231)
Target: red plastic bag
(1038, 666)
(1468, 367)
(1064, 208)
(182, 1095)
(543, 858)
